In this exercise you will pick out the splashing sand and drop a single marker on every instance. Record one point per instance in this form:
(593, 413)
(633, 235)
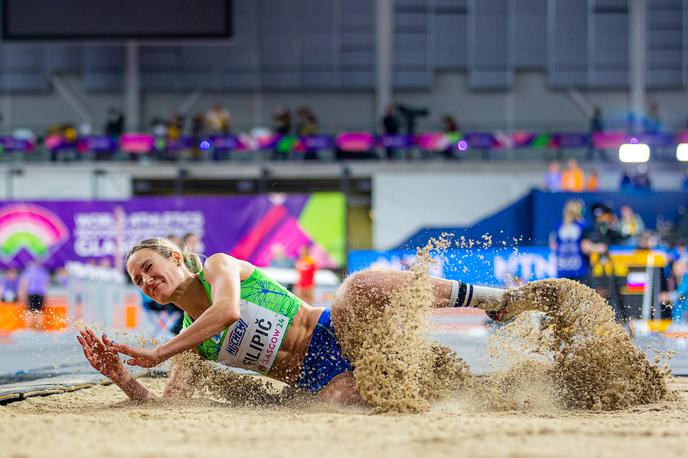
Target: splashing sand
(594, 363)
(383, 333)
(573, 356)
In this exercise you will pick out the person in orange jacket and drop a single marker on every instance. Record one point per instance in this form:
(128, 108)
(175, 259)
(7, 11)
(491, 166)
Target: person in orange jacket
(572, 178)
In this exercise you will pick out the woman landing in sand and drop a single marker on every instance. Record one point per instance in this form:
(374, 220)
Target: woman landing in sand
(238, 316)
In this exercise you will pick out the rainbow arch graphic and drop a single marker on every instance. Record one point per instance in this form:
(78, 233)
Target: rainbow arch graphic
(32, 228)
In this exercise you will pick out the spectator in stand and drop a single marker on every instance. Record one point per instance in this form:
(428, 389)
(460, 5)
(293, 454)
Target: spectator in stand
(307, 125)
(192, 242)
(641, 180)
(10, 286)
(595, 246)
(631, 225)
(218, 120)
(306, 269)
(593, 182)
(679, 308)
(567, 244)
(596, 127)
(307, 122)
(553, 177)
(282, 126)
(279, 257)
(281, 121)
(114, 122)
(684, 182)
(450, 126)
(197, 130)
(175, 126)
(61, 277)
(653, 121)
(391, 125)
(572, 178)
(33, 285)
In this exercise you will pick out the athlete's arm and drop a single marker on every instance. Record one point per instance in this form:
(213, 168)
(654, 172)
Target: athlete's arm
(105, 361)
(223, 274)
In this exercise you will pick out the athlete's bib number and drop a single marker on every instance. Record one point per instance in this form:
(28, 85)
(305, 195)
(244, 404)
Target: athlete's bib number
(253, 341)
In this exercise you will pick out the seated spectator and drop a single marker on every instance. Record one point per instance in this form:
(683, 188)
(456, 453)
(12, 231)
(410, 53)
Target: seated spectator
(175, 126)
(572, 178)
(307, 122)
(9, 286)
(553, 177)
(281, 121)
(450, 126)
(631, 225)
(593, 182)
(307, 125)
(218, 120)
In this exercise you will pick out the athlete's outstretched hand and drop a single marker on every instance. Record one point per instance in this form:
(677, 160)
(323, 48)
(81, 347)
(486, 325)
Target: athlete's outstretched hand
(101, 356)
(142, 357)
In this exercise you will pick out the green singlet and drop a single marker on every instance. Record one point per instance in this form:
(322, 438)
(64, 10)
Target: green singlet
(252, 342)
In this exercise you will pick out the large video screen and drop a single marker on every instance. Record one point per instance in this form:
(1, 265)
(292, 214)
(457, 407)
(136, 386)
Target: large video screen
(115, 19)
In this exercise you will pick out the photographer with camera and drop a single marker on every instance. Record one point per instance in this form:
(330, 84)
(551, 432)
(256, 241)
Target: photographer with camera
(595, 246)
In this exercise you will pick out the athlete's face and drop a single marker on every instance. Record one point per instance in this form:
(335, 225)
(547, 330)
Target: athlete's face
(158, 277)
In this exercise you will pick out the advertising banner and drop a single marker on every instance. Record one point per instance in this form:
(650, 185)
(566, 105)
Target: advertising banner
(254, 228)
(500, 267)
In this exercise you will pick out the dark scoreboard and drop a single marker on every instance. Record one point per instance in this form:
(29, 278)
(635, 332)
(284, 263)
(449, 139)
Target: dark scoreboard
(115, 19)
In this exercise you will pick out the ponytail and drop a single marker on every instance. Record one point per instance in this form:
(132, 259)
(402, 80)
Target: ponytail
(192, 261)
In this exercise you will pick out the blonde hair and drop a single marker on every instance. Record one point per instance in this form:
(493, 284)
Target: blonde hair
(572, 211)
(165, 247)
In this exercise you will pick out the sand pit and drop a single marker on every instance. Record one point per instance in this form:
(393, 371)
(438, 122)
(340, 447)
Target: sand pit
(99, 422)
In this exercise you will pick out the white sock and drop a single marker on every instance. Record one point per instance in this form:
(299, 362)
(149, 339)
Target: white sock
(467, 295)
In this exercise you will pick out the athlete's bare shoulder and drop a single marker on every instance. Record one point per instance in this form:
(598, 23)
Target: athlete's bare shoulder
(220, 263)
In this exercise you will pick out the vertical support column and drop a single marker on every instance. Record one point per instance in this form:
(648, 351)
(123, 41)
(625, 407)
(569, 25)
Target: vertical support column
(384, 36)
(132, 87)
(637, 49)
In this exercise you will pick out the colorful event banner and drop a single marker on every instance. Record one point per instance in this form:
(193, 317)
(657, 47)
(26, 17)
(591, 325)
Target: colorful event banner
(254, 228)
(142, 143)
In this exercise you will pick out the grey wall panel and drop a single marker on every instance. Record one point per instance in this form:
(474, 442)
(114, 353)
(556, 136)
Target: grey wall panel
(411, 45)
(666, 33)
(608, 58)
(103, 68)
(528, 33)
(355, 43)
(488, 45)
(63, 59)
(567, 38)
(449, 40)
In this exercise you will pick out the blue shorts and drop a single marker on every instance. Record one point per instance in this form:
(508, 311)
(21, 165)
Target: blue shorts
(324, 359)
